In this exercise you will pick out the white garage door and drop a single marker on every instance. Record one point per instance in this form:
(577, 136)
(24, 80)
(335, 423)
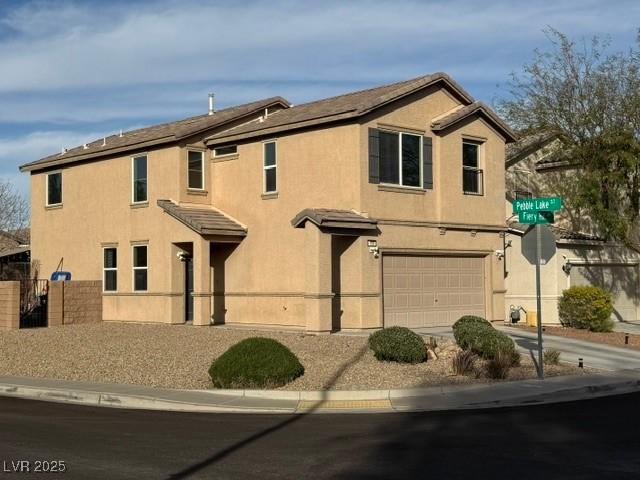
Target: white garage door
(620, 280)
(426, 291)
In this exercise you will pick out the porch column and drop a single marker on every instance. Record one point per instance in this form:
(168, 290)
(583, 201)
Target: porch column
(201, 282)
(318, 294)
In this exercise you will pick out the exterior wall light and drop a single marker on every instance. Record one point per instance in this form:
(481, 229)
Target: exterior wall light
(373, 248)
(566, 268)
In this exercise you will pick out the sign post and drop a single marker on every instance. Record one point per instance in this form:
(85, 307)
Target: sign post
(538, 211)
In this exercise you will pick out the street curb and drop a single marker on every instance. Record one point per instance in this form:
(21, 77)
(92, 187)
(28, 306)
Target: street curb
(439, 398)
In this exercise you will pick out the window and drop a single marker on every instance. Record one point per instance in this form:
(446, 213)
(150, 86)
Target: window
(140, 193)
(400, 159)
(222, 151)
(54, 189)
(110, 267)
(140, 268)
(270, 181)
(471, 172)
(196, 170)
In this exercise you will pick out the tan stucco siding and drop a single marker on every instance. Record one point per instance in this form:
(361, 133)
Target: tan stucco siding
(97, 211)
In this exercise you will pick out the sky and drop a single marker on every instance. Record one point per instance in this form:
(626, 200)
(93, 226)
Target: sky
(75, 71)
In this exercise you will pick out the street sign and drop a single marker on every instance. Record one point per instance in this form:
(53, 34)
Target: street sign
(529, 245)
(533, 218)
(537, 204)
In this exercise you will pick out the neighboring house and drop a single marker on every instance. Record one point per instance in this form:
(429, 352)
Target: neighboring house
(375, 208)
(14, 255)
(535, 167)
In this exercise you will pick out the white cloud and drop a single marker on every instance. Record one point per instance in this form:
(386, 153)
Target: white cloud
(81, 45)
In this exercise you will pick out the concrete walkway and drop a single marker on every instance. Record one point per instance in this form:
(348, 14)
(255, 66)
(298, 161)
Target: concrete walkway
(458, 397)
(595, 355)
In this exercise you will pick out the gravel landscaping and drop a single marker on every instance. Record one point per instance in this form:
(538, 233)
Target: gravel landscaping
(615, 339)
(179, 357)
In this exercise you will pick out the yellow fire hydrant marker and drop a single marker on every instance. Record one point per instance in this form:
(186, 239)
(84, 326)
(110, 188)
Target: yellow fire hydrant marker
(344, 404)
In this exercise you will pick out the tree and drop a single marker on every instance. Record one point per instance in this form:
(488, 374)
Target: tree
(14, 209)
(591, 99)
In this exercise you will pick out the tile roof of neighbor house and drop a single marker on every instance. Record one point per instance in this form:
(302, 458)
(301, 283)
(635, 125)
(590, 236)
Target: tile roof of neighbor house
(347, 106)
(467, 111)
(13, 251)
(203, 220)
(526, 145)
(154, 135)
(334, 218)
(560, 233)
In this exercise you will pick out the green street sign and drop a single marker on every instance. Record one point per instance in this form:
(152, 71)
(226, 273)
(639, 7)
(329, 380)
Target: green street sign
(536, 217)
(537, 204)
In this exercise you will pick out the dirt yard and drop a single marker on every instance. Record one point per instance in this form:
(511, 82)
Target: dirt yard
(179, 357)
(615, 339)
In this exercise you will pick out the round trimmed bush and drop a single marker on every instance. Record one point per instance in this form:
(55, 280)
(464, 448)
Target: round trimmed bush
(255, 363)
(586, 307)
(398, 344)
(478, 335)
(467, 328)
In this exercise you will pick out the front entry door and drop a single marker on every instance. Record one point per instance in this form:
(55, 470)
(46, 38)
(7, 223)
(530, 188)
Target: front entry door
(188, 289)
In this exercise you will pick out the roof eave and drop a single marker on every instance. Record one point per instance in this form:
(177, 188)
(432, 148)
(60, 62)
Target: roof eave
(510, 135)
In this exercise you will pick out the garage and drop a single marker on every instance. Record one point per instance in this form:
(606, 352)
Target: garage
(429, 291)
(620, 280)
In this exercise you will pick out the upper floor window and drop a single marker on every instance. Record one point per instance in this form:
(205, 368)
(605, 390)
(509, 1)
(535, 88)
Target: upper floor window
(270, 167)
(139, 176)
(110, 268)
(54, 189)
(400, 159)
(195, 162)
(472, 175)
(140, 268)
(222, 151)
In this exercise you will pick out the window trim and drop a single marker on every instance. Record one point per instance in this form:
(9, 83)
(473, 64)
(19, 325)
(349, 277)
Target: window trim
(202, 166)
(477, 169)
(134, 268)
(109, 269)
(400, 133)
(269, 167)
(215, 155)
(133, 179)
(46, 199)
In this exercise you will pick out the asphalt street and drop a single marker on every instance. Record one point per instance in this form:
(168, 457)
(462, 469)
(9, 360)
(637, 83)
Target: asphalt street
(582, 440)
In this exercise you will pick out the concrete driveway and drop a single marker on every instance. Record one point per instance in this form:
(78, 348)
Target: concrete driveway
(595, 355)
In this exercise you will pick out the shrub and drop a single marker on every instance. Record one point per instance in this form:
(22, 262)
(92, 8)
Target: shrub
(498, 367)
(586, 307)
(398, 344)
(463, 362)
(467, 328)
(551, 357)
(255, 363)
(479, 336)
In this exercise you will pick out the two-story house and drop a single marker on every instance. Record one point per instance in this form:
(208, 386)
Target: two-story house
(376, 208)
(536, 166)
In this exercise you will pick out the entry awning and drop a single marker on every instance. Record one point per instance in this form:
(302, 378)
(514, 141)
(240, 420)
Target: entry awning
(333, 218)
(204, 220)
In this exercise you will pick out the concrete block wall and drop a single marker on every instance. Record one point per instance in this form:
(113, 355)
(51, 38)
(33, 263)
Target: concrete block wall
(75, 302)
(9, 305)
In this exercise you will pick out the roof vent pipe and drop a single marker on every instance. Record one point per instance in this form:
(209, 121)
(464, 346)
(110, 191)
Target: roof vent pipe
(211, 104)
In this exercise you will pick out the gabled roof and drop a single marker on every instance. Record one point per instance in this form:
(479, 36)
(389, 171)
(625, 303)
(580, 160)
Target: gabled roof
(334, 218)
(204, 220)
(154, 135)
(342, 107)
(473, 109)
(527, 145)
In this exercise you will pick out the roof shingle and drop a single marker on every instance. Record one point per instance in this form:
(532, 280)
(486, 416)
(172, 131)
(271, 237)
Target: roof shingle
(342, 107)
(334, 218)
(203, 220)
(157, 134)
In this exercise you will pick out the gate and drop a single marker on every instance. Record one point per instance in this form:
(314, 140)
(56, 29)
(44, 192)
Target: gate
(33, 303)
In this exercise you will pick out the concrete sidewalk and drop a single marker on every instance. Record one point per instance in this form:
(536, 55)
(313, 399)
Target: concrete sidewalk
(502, 394)
(594, 355)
